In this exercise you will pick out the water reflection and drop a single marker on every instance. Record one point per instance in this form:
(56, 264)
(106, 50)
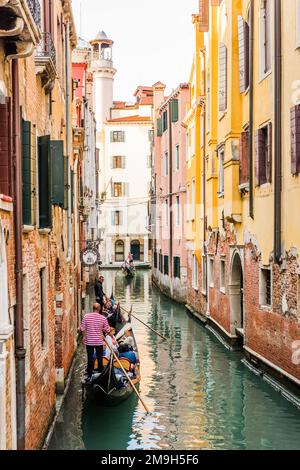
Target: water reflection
(200, 395)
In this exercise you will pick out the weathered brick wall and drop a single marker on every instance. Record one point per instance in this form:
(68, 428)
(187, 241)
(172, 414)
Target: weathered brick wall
(271, 332)
(195, 298)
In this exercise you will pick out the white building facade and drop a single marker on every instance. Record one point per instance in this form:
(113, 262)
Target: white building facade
(124, 136)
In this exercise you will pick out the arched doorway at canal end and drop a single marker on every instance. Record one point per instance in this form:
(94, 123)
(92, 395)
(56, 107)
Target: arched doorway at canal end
(236, 291)
(135, 247)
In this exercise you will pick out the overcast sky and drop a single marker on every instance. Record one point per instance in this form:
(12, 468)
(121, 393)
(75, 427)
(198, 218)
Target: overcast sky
(153, 39)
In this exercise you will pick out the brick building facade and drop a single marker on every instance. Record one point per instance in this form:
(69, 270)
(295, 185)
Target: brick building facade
(44, 296)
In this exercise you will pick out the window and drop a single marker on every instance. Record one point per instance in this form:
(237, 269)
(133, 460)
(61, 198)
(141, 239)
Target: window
(155, 259)
(165, 121)
(244, 56)
(117, 218)
(160, 262)
(202, 129)
(166, 164)
(177, 267)
(265, 26)
(265, 290)
(174, 106)
(167, 213)
(119, 251)
(193, 200)
(177, 214)
(120, 189)
(204, 273)
(166, 265)
(159, 127)
(118, 162)
(211, 272)
(28, 143)
(222, 276)
(263, 155)
(244, 158)
(43, 307)
(187, 146)
(222, 77)
(6, 153)
(195, 272)
(295, 139)
(298, 23)
(177, 157)
(117, 136)
(221, 172)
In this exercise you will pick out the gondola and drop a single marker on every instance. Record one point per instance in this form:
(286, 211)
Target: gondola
(111, 387)
(128, 270)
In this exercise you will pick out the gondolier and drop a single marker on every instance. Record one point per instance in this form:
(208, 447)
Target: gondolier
(99, 293)
(94, 325)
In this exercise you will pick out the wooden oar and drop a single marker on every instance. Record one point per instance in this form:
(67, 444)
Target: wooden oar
(148, 326)
(129, 379)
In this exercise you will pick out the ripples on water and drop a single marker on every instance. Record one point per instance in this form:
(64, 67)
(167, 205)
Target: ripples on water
(200, 395)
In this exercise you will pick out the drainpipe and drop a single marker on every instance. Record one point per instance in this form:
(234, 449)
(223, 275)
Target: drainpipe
(68, 136)
(171, 187)
(278, 133)
(204, 172)
(251, 110)
(19, 320)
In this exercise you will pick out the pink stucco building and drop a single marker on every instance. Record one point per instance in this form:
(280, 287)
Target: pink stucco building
(169, 191)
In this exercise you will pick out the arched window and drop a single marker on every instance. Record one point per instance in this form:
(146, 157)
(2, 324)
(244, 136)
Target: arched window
(119, 251)
(4, 320)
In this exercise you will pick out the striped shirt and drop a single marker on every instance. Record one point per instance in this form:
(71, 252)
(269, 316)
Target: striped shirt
(94, 325)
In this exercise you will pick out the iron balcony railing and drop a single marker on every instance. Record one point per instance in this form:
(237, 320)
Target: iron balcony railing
(35, 10)
(46, 48)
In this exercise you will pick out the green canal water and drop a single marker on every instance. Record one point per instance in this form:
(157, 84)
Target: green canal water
(200, 394)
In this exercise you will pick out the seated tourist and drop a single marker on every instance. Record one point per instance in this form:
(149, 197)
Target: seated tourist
(124, 351)
(129, 338)
(112, 343)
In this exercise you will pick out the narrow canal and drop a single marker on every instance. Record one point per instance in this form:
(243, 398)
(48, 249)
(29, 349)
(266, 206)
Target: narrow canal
(201, 395)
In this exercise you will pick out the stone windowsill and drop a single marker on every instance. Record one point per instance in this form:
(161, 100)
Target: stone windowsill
(28, 228)
(44, 231)
(6, 332)
(6, 203)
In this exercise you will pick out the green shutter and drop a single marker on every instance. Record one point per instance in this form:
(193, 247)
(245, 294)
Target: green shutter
(26, 172)
(57, 172)
(44, 182)
(66, 168)
(72, 191)
(174, 110)
(159, 127)
(33, 176)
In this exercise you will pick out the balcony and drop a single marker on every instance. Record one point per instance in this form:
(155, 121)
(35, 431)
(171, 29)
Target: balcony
(20, 23)
(45, 61)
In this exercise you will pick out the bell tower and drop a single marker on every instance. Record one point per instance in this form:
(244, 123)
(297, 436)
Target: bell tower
(103, 72)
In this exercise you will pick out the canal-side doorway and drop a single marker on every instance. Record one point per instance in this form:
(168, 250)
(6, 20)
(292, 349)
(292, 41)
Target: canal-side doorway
(136, 250)
(236, 291)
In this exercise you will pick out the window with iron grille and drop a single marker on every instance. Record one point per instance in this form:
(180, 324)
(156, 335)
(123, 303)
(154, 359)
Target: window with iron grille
(166, 265)
(265, 287)
(177, 267)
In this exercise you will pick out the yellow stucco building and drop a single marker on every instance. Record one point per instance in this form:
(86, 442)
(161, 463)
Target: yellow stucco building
(246, 114)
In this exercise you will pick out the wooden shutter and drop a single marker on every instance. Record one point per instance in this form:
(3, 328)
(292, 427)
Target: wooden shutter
(295, 139)
(33, 175)
(123, 162)
(174, 110)
(26, 172)
(244, 158)
(57, 172)
(204, 15)
(72, 191)
(243, 36)
(222, 77)
(66, 184)
(267, 35)
(260, 157)
(159, 127)
(269, 154)
(112, 136)
(5, 148)
(44, 182)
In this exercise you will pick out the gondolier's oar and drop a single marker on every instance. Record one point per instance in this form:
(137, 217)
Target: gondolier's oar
(145, 324)
(129, 379)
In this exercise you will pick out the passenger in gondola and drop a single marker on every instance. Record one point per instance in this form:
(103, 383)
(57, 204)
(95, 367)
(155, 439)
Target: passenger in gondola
(124, 351)
(129, 338)
(111, 343)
